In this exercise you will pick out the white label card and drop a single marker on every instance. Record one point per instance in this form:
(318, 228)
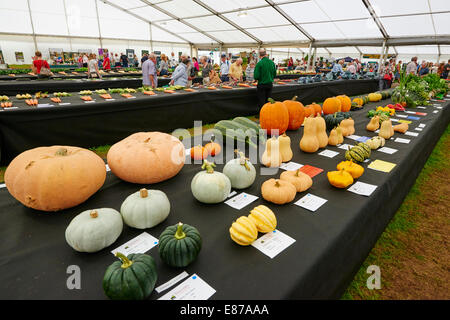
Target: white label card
(140, 244)
(401, 140)
(435, 111)
(107, 168)
(362, 188)
(409, 133)
(241, 200)
(232, 193)
(387, 150)
(394, 120)
(291, 166)
(188, 152)
(401, 116)
(410, 112)
(272, 243)
(193, 288)
(64, 103)
(438, 107)
(311, 202)
(92, 101)
(345, 146)
(328, 153)
(171, 282)
(2, 185)
(422, 125)
(353, 137)
(418, 129)
(420, 107)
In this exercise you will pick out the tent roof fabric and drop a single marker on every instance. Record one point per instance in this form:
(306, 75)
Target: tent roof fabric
(233, 22)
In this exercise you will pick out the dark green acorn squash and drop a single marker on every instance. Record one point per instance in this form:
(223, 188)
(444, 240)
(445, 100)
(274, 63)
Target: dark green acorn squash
(179, 245)
(132, 278)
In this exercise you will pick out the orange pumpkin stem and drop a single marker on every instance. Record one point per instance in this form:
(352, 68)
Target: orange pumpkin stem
(94, 214)
(277, 184)
(294, 98)
(271, 100)
(143, 193)
(297, 172)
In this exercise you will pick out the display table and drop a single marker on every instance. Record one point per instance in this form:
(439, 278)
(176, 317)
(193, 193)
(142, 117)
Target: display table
(331, 243)
(106, 122)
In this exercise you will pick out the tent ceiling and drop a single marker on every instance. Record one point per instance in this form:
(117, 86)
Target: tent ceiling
(326, 23)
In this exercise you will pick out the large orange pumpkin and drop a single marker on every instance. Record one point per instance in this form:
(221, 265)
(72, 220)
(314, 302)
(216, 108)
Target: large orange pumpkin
(331, 105)
(274, 115)
(296, 113)
(316, 107)
(146, 157)
(346, 103)
(54, 178)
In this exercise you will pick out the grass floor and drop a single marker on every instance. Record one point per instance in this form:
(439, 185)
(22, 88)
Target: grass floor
(413, 252)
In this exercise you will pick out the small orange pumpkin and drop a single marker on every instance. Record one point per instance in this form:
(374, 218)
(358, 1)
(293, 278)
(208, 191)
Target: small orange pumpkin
(331, 105)
(317, 108)
(274, 115)
(199, 153)
(213, 148)
(296, 113)
(346, 103)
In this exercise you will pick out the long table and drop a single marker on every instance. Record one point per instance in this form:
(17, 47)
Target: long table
(106, 122)
(24, 84)
(330, 243)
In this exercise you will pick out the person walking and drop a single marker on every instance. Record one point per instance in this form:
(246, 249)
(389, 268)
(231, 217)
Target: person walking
(385, 76)
(93, 66)
(124, 60)
(265, 72)
(149, 74)
(85, 60)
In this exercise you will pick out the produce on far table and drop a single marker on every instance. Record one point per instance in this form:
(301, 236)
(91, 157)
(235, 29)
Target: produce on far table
(132, 278)
(94, 230)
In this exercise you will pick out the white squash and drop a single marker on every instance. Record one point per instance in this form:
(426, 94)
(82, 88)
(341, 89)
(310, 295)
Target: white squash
(93, 230)
(210, 186)
(240, 171)
(145, 208)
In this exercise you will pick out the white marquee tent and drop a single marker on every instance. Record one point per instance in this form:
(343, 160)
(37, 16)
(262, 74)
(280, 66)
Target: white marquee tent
(330, 28)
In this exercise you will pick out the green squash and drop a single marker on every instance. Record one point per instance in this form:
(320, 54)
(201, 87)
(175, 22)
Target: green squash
(179, 245)
(132, 278)
(366, 148)
(240, 171)
(210, 186)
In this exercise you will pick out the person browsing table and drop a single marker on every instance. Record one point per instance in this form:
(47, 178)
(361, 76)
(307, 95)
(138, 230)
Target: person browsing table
(265, 72)
(235, 71)
(149, 74)
(180, 75)
(224, 68)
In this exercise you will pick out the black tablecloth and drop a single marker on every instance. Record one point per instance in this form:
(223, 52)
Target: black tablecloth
(100, 123)
(330, 246)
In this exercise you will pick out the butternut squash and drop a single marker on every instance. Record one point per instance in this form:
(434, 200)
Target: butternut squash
(386, 130)
(339, 135)
(374, 124)
(309, 142)
(272, 155)
(333, 139)
(348, 127)
(285, 147)
(321, 131)
(403, 127)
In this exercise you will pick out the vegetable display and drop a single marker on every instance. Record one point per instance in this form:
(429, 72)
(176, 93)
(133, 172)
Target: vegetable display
(243, 231)
(210, 186)
(272, 156)
(354, 169)
(375, 142)
(321, 132)
(333, 120)
(300, 180)
(309, 142)
(285, 148)
(402, 127)
(54, 178)
(278, 191)
(179, 245)
(358, 153)
(331, 105)
(132, 278)
(274, 115)
(263, 218)
(199, 153)
(145, 208)
(340, 179)
(93, 230)
(146, 157)
(240, 171)
(386, 129)
(296, 113)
